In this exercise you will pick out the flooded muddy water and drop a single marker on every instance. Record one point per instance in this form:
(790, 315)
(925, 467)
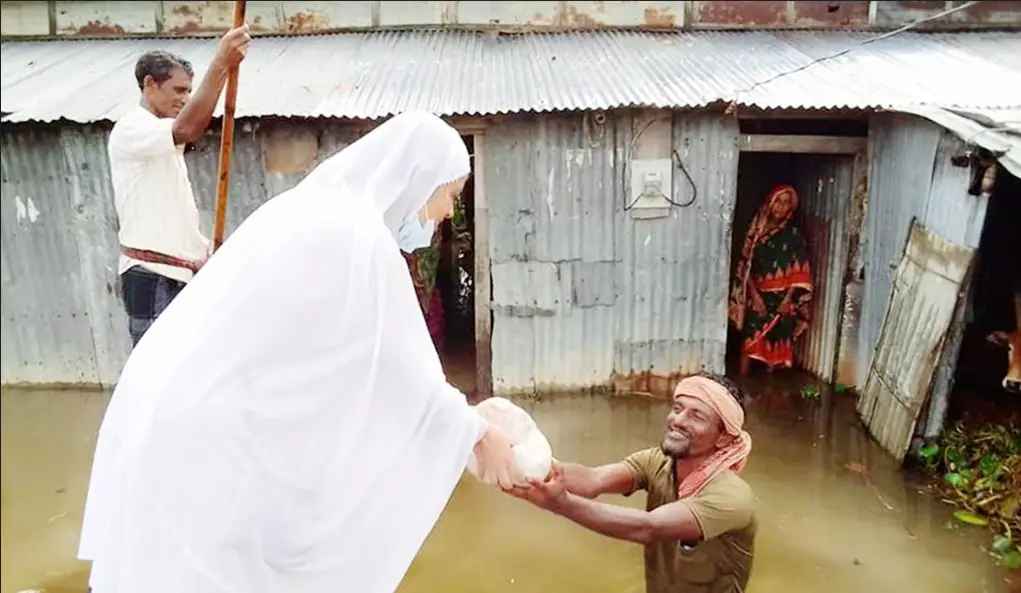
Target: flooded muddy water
(835, 515)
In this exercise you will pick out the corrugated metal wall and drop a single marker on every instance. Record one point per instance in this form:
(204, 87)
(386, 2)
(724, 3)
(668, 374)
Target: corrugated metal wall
(62, 318)
(911, 176)
(581, 291)
(825, 186)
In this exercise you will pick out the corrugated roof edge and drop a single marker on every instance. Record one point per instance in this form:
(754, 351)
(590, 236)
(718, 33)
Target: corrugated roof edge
(716, 106)
(665, 93)
(499, 31)
(1006, 146)
(525, 30)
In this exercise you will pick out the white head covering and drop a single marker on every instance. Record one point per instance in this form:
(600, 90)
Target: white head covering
(397, 166)
(285, 425)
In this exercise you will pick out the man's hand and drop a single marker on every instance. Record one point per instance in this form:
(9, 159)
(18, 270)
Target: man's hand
(234, 46)
(546, 495)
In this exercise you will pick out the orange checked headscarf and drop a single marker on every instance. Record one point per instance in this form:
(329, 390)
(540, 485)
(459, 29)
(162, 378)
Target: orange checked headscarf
(733, 456)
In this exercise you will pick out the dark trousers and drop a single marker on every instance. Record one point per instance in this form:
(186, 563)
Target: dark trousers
(145, 296)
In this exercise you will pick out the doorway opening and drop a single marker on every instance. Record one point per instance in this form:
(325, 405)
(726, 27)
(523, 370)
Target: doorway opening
(982, 391)
(801, 330)
(444, 284)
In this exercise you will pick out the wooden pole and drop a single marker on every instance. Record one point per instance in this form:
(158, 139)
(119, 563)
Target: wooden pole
(227, 139)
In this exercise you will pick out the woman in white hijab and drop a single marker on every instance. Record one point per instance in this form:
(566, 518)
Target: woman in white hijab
(286, 425)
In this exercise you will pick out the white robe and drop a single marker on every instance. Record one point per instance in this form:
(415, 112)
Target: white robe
(285, 426)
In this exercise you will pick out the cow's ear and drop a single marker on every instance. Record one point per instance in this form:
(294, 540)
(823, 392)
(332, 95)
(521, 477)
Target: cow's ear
(999, 338)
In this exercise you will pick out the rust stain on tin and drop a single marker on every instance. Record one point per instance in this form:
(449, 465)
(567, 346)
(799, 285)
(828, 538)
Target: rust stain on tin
(202, 18)
(740, 14)
(186, 28)
(647, 382)
(658, 17)
(831, 14)
(257, 25)
(577, 19)
(96, 27)
(307, 21)
(186, 10)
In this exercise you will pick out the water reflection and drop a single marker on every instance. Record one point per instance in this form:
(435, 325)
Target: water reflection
(835, 514)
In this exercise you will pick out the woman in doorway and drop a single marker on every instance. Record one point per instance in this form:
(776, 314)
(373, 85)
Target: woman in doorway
(423, 265)
(772, 291)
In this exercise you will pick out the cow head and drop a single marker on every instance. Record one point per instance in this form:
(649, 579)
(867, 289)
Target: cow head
(1012, 341)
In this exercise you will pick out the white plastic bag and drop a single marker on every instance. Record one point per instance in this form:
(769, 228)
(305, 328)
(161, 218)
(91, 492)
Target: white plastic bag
(532, 450)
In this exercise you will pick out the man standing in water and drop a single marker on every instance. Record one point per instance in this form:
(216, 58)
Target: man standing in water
(699, 525)
(161, 244)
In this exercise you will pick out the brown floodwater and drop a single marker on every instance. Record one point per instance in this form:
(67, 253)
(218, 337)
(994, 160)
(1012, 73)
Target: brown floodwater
(836, 516)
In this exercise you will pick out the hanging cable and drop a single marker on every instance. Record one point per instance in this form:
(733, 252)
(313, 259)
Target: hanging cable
(675, 159)
(847, 50)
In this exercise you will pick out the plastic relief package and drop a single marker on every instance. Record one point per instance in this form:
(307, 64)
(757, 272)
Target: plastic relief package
(532, 450)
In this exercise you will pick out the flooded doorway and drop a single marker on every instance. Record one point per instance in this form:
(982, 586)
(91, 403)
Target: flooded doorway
(824, 221)
(455, 287)
(978, 395)
(444, 279)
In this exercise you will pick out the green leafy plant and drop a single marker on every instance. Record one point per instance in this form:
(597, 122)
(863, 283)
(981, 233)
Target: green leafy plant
(810, 392)
(980, 471)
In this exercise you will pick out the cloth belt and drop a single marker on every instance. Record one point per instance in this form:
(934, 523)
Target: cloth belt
(153, 257)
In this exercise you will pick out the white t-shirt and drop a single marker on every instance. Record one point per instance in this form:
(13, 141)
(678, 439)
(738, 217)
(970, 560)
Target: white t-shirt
(152, 193)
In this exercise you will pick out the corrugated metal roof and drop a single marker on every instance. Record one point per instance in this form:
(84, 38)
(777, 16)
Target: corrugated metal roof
(996, 130)
(377, 74)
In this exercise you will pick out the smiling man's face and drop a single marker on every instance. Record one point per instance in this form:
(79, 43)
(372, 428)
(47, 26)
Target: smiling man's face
(693, 429)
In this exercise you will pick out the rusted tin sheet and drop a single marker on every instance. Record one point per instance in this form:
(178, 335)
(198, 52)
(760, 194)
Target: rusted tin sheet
(312, 17)
(189, 18)
(89, 18)
(980, 15)
(375, 74)
(926, 286)
(829, 14)
(104, 18)
(728, 15)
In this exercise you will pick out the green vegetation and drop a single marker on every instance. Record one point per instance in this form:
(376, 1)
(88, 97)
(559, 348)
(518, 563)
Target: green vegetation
(980, 471)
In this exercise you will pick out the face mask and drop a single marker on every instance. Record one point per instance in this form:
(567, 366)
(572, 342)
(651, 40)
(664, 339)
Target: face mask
(414, 235)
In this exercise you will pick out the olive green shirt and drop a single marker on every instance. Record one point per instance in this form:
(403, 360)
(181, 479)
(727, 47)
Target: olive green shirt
(725, 509)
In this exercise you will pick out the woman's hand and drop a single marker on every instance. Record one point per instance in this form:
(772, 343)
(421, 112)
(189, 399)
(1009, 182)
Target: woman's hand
(787, 304)
(495, 459)
(755, 300)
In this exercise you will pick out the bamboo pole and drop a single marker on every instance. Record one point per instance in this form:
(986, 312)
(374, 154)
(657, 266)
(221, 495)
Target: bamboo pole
(227, 139)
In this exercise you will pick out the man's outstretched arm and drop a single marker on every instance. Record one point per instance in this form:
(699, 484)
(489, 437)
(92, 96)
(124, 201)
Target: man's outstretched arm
(670, 522)
(592, 482)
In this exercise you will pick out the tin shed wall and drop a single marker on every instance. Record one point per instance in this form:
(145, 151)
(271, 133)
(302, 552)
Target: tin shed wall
(911, 176)
(582, 292)
(62, 319)
(825, 184)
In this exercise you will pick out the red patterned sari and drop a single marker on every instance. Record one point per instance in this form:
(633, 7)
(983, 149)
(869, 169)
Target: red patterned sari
(770, 299)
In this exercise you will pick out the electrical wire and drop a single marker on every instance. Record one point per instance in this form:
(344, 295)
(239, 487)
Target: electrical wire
(849, 49)
(629, 204)
(677, 162)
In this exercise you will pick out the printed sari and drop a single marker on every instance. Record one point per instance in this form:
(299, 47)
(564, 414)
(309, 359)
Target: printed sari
(423, 265)
(770, 299)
